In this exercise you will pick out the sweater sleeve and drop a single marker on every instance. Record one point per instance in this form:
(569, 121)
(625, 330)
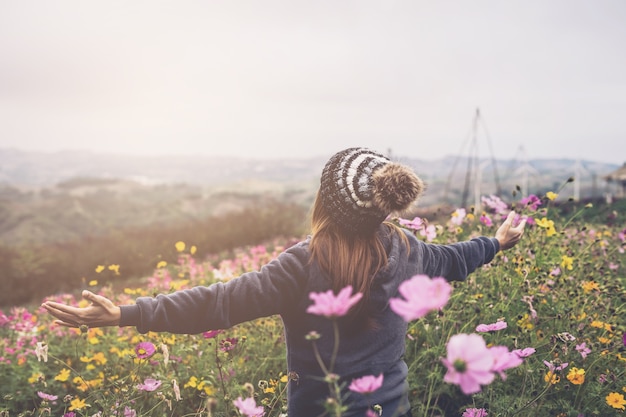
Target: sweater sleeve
(222, 305)
(456, 261)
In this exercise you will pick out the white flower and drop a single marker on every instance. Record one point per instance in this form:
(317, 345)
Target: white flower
(41, 350)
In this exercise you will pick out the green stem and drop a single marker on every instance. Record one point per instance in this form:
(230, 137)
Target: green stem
(218, 363)
(541, 394)
(319, 359)
(336, 345)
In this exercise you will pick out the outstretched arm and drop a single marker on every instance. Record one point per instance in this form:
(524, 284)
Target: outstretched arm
(507, 235)
(102, 312)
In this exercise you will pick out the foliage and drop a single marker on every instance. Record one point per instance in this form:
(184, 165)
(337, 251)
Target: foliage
(34, 271)
(561, 292)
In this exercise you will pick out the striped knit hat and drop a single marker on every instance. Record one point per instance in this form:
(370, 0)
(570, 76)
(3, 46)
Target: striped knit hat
(360, 188)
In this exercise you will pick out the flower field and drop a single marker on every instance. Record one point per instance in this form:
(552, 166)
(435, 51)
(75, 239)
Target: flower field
(547, 316)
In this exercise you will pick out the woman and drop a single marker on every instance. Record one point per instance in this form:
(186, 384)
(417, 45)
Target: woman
(351, 244)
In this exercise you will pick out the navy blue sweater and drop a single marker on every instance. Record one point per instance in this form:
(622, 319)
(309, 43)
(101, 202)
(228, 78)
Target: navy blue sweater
(282, 287)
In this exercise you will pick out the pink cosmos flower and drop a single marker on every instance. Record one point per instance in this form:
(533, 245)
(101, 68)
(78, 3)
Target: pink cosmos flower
(503, 360)
(129, 412)
(524, 353)
(532, 202)
(328, 305)
(486, 220)
(583, 349)
(415, 224)
(144, 350)
(458, 216)
(493, 327)
(366, 384)
(554, 368)
(47, 397)
(421, 295)
(469, 363)
(248, 407)
(228, 344)
(496, 204)
(211, 334)
(430, 233)
(475, 412)
(149, 384)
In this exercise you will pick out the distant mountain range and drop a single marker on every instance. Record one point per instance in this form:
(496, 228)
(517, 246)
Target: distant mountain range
(446, 177)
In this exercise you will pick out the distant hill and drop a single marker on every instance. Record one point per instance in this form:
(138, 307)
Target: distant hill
(50, 168)
(46, 169)
(53, 197)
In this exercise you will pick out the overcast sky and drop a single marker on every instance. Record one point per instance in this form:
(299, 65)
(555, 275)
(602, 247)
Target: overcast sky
(291, 78)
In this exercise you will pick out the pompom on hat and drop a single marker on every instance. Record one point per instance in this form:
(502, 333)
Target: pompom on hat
(360, 188)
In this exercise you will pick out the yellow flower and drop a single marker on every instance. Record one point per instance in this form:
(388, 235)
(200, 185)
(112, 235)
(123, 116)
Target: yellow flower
(99, 358)
(93, 282)
(95, 332)
(77, 404)
(193, 250)
(284, 379)
(604, 340)
(597, 324)
(115, 268)
(548, 225)
(567, 262)
(63, 375)
(161, 264)
(192, 383)
(179, 284)
(551, 196)
(551, 377)
(99, 268)
(180, 246)
(524, 323)
(589, 286)
(576, 376)
(616, 400)
(35, 377)
(80, 383)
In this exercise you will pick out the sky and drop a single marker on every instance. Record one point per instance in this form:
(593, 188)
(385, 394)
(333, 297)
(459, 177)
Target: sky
(299, 79)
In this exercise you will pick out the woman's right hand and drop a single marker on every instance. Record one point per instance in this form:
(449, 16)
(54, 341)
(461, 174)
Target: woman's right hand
(101, 312)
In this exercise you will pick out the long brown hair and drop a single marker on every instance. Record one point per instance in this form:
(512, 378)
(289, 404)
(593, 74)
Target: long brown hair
(347, 258)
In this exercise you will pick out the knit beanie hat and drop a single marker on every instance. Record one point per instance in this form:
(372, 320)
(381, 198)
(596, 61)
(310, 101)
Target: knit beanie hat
(360, 188)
